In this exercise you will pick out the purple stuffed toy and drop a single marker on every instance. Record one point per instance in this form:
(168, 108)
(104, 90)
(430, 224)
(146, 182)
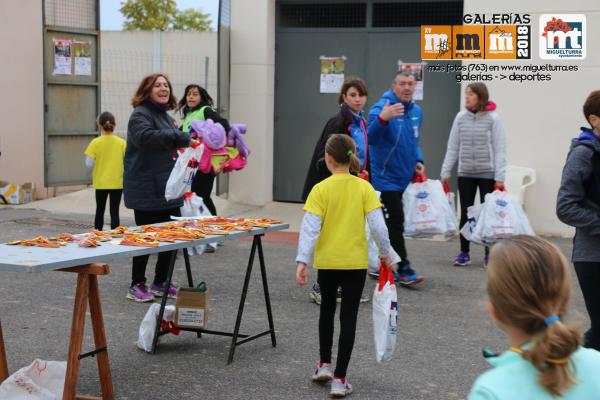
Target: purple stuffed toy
(235, 139)
(213, 134)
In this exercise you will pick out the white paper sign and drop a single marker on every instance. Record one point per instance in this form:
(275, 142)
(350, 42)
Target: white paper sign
(332, 74)
(82, 51)
(62, 57)
(190, 317)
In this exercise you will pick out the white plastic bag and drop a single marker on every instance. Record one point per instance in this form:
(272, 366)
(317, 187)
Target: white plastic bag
(42, 380)
(148, 325)
(468, 228)
(193, 206)
(427, 211)
(501, 217)
(182, 175)
(385, 315)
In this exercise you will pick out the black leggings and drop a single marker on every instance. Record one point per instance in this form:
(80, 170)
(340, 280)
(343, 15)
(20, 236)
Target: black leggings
(115, 200)
(202, 185)
(467, 189)
(588, 274)
(352, 283)
(138, 270)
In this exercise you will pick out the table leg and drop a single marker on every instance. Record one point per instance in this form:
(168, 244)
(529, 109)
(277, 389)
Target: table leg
(100, 339)
(76, 341)
(163, 303)
(238, 320)
(3, 363)
(188, 268)
(263, 273)
(87, 291)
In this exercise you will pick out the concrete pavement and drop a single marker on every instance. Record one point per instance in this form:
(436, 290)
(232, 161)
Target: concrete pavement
(443, 324)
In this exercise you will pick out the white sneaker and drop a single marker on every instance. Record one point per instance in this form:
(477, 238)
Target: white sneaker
(322, 372)
(340, 387)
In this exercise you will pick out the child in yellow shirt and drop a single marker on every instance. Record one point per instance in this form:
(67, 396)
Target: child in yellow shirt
(333, 228)
(105, 154)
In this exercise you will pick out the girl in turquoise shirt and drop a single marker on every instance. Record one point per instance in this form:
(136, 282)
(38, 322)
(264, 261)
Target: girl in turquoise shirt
(529, 286)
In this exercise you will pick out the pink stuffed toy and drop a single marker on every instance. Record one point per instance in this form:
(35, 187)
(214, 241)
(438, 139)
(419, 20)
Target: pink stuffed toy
(222, 153)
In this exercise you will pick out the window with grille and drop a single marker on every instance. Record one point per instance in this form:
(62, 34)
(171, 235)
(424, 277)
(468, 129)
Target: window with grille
(394, 15)
(71, 13)
(353, 15)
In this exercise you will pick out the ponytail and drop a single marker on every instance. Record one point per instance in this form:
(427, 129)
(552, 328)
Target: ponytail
(106, 121)
(354, 164)
(529, 287)
(551, 355)
(343, 150)
(108, 126)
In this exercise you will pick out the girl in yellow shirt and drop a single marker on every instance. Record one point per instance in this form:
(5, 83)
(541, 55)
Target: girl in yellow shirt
(105, 154)
(333, 228)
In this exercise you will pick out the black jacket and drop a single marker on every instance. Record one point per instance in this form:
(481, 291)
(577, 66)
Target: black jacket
(578, 202)
(152, 137)
(317, 169)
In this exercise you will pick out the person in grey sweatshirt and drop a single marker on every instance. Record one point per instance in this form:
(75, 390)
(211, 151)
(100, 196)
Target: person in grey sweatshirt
(478, 142)
(578, 205)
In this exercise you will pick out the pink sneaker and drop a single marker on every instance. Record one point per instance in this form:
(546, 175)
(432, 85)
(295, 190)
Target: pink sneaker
(139, 293)
(340, 387)
(158, 290)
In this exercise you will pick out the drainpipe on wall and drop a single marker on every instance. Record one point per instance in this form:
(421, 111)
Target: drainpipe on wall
(156, 50)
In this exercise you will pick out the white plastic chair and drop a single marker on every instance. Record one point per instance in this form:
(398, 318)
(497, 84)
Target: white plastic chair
(518, 179)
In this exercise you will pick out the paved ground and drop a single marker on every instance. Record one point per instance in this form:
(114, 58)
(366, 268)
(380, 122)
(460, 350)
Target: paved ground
(443, 326)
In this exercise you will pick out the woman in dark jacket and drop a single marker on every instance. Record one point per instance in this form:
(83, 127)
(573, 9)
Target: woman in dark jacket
(152, 138)
(197, 104)
(349, 120)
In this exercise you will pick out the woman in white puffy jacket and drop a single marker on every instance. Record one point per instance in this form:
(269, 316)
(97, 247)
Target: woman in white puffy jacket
(478, 142)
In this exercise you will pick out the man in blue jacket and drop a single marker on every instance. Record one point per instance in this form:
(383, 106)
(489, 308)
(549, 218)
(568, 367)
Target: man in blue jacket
(393, 127)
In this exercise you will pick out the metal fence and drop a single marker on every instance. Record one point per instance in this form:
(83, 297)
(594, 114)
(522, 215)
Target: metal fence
(127, 57)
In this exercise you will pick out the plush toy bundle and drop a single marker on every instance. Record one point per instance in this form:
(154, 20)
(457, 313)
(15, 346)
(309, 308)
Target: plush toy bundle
(223, 152)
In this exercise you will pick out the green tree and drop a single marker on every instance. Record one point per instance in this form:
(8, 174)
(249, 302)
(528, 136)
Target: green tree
(191, 20)
(147, 15)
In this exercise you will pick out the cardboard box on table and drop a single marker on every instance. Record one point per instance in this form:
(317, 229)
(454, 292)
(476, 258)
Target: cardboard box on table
(191, 308)
(17, 194)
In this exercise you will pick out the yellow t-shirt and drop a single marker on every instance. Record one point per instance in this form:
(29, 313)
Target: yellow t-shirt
(342, 201)
(108, 152)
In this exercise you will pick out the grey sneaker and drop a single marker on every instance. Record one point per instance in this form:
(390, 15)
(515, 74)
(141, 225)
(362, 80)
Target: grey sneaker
(365, 297)
(340, 387)
(315, 293)
(323, 372)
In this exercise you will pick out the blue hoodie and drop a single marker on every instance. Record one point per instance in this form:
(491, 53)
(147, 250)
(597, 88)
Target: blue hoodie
(394, 147)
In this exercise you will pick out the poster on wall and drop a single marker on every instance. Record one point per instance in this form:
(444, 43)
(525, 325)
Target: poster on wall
(332, 74)
(82, 51)
(416, 69)
(62, 57)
